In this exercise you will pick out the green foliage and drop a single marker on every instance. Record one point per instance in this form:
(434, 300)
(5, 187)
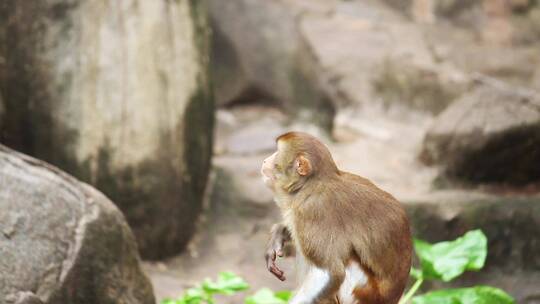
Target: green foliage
(227, 284)
(267, 296)
(443, 261)
(473, 295)
(448, 260)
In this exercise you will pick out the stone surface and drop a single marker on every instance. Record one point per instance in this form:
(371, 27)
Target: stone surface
(259, 54)
(356, 47)
(491, 134)
(116, 93)
(248, 130)
(62, 241)
(421, 88)
(496, 37)
(456, 46)
(536, 80)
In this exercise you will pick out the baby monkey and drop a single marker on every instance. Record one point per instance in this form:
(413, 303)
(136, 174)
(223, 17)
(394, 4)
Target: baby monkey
(351, 239)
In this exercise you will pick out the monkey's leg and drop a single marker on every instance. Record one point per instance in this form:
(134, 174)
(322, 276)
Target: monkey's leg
(319, 286)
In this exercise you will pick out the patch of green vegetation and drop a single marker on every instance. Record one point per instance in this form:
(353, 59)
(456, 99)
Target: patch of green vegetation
(442, 261)
(228, 284)
(446, 261)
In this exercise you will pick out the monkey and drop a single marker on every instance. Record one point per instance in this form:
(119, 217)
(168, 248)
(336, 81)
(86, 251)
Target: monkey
(351, 239)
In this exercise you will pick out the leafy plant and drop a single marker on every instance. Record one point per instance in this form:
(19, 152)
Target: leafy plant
(227, 283)
(446, 261)
(476, 295)
(267, 296)
(442, 261)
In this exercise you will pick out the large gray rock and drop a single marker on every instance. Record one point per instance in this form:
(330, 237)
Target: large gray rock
(116, 93)
(491, 134)
(445, 8)
(259, 54)
(356, 48)
(461, 10)
(420, 88)
(62, 241)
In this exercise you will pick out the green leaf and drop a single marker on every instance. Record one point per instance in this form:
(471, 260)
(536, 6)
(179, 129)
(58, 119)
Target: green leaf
(267, 296)
(448, 260)
(181, 300)
(194, 295)
(227, 283)
(473, 295)
(285, 295)
(416, 273)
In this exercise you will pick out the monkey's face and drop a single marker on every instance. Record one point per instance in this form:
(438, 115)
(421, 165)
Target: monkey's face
(288, 168)
(268, 170)
(285, 168)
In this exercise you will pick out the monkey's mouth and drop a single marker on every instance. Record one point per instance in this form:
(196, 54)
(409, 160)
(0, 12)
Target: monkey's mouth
(267, 177)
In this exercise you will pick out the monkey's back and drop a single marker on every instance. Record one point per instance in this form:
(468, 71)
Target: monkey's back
(380, 232)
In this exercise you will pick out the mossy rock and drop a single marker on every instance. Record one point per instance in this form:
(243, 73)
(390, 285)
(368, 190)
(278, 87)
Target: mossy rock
(124, 104)
(490, 135)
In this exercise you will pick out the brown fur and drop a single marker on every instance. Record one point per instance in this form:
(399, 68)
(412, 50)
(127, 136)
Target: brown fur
(336, 216)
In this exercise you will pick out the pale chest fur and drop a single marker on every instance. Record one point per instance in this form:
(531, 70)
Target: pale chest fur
(287, 213)
(302, 266)
(288, 220)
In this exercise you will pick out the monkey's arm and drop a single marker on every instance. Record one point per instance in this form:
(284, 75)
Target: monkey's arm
(280, 245)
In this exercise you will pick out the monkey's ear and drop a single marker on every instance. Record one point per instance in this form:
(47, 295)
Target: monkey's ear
(302, 165)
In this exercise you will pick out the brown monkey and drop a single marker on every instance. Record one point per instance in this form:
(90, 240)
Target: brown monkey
(352, 239)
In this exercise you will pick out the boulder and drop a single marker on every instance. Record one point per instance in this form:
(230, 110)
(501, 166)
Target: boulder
(420, 88)
(259, 55)
(2, 108)
(456, 10)
(248, 130)
(62, 241)
(117, 94)
(356, 48)
(536, 79)
(496, 22)
(491, 134)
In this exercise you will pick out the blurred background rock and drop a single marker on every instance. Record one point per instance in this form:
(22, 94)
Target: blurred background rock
(117, 94)
(435, 101)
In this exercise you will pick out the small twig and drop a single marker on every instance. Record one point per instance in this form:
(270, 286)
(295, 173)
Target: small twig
(411, 291)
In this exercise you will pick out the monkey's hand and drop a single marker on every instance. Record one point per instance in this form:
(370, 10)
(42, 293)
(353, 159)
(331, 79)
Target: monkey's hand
(270, 257)
(278, 236)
